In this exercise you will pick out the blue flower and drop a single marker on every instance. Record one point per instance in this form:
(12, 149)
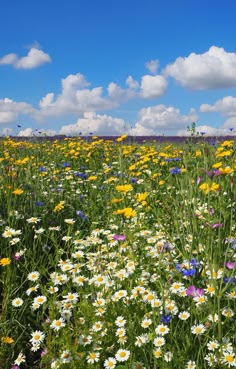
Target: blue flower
(166, 319)
(175, 170)
(39, 203)
(189, 272)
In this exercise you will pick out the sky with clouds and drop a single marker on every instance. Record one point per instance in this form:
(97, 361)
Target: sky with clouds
(140, 67)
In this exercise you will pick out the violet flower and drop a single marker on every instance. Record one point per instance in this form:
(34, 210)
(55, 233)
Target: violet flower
(119, 237)
(230, 264)
(195, 292)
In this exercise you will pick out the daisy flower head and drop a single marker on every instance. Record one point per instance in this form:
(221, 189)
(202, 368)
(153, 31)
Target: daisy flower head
(184, 315)
(122, 355)
(162, 330)
(191, 365)
(198, 329)
(17, 302)
(120, 321)
(110, 363)
(20, 359)
(159, 341)
(66, 357)
(228, 358)
(57, 324)
(93, 357)
(33, 276)
(37, 337)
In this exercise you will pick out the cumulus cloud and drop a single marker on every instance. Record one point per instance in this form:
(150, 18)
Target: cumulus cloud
(10, 110)
(132, 83)
(29, 132)
(33, 59)
(101, 125)
(213, 69)
(77, 98)
(153, 86)
(155, 120)
(152, 66)
(226, 106)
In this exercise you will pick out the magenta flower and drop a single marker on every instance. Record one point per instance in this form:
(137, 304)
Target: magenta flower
(230, 264)
(217, 225)
(119, 237)
(195, 292)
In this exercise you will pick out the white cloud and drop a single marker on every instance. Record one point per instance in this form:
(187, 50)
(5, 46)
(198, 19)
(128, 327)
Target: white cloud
(230, 123)
(8, 59)
(153, 86)
(160, 118)
(132, 83)
(6, 132)
(10, 110)
(152, 66)
(206, 131)
(226, 106)
(213, 69)
(29, 132)
(101, 125)
(33, 59)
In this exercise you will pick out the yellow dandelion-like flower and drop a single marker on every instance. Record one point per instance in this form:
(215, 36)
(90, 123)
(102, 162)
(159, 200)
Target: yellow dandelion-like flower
(7, 339)
(5, 261)
(18, 191)
(59, 207)
(124, 188)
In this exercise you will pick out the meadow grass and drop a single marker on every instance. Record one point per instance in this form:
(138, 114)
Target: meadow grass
(117, 255)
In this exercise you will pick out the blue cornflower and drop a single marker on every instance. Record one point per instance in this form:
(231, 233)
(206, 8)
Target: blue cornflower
(175, 170)
(189, 272)
(42, 169)
(39, 203)
(81, 215)
(166, 319)
(134, 180)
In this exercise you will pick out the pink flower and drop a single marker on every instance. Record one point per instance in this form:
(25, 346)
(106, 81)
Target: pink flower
(230, 264)
(195, 292)
(119, 237)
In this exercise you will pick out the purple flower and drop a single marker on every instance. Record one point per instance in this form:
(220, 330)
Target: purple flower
(217, 225)
(198, 180)
(119, 237)
(195, 292)
(230, 264)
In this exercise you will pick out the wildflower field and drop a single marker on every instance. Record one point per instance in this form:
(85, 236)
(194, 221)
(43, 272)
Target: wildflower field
(117, 255)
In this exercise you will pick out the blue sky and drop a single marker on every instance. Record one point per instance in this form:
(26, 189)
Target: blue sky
(112, 67)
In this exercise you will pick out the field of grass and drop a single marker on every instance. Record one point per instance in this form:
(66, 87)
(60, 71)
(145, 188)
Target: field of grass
(117, 255)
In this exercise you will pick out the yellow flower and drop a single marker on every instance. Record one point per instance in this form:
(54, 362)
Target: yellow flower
(161, 182)
(124, 188)
(127, 212)
(214, 187)
(217, 165)
(226, 170)
(141, 196)
(18, 191)
(7, 340)
(224, 153)
(92, 178)
(5, 261)
(198, 153)
(204, 187)
(59, 206)
(121, 138)
(227, 143)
